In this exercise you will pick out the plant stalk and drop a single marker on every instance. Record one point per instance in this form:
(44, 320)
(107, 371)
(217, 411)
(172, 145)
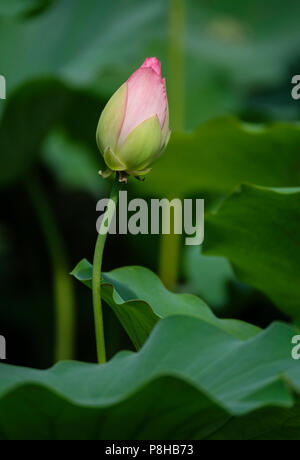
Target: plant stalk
(62, 282)
(97, 265)
(169, 263)
(176, 63)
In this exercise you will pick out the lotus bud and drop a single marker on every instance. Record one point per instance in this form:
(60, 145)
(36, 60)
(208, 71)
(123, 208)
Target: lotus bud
(133, 129)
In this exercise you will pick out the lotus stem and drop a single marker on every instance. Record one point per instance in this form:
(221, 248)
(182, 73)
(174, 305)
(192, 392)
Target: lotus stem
(97, 266)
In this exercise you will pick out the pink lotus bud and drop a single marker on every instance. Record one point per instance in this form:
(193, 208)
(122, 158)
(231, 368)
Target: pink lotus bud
(133, 129)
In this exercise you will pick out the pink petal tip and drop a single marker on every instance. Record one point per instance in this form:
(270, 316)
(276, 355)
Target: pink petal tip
(146, 97)
(154, 64)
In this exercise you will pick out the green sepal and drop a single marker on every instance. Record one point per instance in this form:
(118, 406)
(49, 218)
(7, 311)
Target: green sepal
(141, 146)
(105, 174)
(112, 161)
(140, 173)
(111, 120)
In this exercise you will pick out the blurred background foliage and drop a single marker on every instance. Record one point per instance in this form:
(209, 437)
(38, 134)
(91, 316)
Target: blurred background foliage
(62, 61)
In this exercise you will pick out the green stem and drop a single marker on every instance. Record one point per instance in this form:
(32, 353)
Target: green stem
(97, 265)
(62, 283)
(176, 63)
(169, 262)
(170, 244)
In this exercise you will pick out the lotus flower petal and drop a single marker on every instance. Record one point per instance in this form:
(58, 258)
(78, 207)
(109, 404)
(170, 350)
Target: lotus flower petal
(146, 97)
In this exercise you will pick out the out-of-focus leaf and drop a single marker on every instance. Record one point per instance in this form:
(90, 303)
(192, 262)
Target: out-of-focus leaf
(191, 380)
(21, 7)
(244, 41)
(73, 164)
(95, 37)
(27, 119)
(224, 153)
(229, 47)
(207, 276)
(258, 230)
(139, 300)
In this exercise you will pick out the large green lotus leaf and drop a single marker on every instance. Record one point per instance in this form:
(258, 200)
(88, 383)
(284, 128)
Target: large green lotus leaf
(218, 156)
(258, 230)
(139, 300)
(191, 380)
(225, 152)
(229, 47)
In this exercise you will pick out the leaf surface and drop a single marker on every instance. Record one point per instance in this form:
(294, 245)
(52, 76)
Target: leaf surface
(140, 300)
(190, 380)
(223, 153)
(258, 230)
